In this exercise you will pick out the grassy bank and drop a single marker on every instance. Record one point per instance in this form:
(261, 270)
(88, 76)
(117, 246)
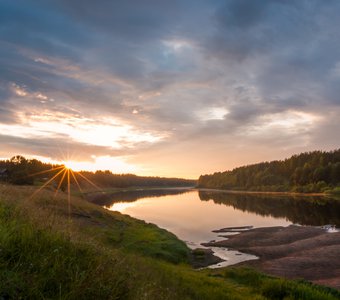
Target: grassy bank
(50, 250)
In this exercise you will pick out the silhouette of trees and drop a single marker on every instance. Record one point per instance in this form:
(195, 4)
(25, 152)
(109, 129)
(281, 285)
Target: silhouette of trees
(314, 171)
(30, 171)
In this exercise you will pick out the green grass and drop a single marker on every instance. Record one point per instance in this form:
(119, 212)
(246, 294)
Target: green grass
(149, 241)
(278, 288)
(47, 253)
(42, 264)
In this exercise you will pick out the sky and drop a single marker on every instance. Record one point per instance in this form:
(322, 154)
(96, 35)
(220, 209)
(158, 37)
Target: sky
(168, 88)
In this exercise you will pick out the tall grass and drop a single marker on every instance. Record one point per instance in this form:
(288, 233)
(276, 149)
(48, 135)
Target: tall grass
(38, 264)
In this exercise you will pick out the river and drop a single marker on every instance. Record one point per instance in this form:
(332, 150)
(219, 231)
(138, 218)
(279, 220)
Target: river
(193, 215)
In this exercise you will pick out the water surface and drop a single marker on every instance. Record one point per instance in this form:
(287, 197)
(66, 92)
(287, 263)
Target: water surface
(192, 215)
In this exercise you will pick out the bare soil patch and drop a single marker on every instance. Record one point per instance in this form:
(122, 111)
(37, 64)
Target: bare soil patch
(293, 252)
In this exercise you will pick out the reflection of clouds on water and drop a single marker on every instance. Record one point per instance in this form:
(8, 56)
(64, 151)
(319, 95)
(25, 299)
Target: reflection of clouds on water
(230, 257)
(122, 206)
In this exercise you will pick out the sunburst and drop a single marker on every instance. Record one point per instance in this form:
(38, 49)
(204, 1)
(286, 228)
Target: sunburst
(64, 175)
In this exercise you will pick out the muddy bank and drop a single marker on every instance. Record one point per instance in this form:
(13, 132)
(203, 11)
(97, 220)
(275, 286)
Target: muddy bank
(294, 252)
(202, 258)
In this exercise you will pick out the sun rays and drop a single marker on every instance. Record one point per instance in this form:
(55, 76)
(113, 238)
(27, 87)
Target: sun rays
(62, 178)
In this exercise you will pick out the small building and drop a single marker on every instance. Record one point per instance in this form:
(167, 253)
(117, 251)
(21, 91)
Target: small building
(4, 174)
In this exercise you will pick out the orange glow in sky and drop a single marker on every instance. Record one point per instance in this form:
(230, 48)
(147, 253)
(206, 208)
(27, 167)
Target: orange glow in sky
(114, 164)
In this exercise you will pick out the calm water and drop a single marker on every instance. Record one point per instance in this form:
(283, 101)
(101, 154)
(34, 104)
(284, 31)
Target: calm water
(192, 215)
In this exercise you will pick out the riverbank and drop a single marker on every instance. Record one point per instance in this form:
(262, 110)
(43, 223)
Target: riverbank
(294, 194)
(292, 252)
(132, 189)
(56, 247)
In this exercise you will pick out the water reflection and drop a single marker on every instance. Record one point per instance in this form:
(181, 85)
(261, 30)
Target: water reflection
(108, 199)
(311, 210)
(189, 218)
(192, 215)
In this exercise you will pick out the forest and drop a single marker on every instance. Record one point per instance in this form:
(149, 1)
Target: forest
(309, 172)
(22, 171)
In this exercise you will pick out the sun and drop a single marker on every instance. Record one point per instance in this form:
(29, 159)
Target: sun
(69, 165)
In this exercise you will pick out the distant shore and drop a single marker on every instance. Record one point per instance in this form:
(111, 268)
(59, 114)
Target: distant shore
(264, 192)
(135, 188)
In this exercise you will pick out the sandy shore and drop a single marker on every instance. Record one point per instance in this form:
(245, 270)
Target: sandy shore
(293, 252)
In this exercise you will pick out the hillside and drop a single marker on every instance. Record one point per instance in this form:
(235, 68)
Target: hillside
(306, 172)
(52, 248)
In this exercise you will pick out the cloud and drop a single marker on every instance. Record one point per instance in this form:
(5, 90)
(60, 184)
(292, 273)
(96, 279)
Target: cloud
(242, 13)
(7, 109)
(7, 116)
(193, 70)
(55, 148)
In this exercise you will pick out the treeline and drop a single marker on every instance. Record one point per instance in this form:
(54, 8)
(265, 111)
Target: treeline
(308, 172)
(22, 171)
(108, 179)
